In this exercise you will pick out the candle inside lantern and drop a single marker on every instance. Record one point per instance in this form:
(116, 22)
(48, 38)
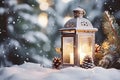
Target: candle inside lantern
(68, 56)
(82, 56)
(71, 58)
(84, 47)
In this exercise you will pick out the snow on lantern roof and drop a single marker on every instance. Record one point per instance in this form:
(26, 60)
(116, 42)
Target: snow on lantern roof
(80, 24)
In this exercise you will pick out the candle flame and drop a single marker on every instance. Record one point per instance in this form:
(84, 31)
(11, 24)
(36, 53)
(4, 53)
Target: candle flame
(71, 58)
(82, 56)
(84, 50)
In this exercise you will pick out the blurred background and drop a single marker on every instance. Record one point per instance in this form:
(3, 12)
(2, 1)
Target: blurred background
(29, 28)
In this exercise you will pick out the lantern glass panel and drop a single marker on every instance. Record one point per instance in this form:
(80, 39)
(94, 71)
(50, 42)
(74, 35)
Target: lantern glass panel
(85, 46)
(68, 50)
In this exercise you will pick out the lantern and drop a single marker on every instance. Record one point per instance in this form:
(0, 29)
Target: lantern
(77, 40)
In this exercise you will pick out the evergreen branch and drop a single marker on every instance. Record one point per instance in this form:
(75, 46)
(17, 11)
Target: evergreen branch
(110, 21)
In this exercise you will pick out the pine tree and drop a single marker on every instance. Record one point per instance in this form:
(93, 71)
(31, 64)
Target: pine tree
(25, 40)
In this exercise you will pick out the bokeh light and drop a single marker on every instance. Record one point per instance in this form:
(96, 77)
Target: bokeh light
(43, 19)
(44, 5)
(66, 1)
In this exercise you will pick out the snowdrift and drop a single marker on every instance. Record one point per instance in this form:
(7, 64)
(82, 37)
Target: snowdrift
(32, 71)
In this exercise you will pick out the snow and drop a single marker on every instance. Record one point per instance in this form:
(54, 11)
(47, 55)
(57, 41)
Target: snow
(35, 36)
(32, 71)
(31, 18)
(43, 60)
(46, 47)
(12, 2)
(23, 7)
(15, 43)
(2, 10)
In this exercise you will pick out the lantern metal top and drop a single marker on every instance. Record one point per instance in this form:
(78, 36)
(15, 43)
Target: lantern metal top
(80, 25)
(80, 9)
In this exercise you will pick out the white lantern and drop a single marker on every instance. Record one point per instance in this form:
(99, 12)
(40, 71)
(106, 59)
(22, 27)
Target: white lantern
(77, 41)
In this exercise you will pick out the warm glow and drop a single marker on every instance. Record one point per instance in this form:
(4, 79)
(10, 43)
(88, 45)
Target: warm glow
(58, 50)
(96, 45)
(66, 1)
(66, 19)
(85, 47)
(84, 50)
(105, 45)
(44, 5)
(43, 19)
(82, 56)
(40, 1)
(71, 58)
(68, 56)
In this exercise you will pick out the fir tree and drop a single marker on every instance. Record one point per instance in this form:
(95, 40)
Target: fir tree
(23, 38)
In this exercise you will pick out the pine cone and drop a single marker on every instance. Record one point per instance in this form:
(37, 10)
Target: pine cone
(56, 62)
(87, 63)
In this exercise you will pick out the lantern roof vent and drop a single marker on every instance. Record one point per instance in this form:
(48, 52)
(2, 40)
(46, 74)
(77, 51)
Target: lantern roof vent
(79, 24)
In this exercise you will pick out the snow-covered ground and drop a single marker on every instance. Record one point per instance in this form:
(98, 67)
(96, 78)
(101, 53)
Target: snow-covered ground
(31, 71)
